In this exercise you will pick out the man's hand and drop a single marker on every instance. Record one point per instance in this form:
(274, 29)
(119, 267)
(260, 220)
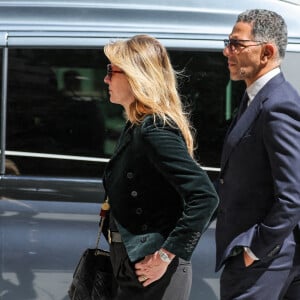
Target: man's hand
(247, 259)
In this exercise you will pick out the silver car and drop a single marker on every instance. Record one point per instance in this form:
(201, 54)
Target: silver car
(58, 129)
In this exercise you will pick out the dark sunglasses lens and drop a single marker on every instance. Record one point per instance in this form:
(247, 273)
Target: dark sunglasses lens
(109, 71)
(232, 44)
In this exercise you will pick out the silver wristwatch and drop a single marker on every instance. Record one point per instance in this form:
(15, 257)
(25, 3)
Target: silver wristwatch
(164, 256)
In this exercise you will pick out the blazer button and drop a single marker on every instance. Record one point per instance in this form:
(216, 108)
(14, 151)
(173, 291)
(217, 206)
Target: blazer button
(139, 211)
(129, 175)
(133, 194)
(143, 239)
(221, 180)
(144, 227)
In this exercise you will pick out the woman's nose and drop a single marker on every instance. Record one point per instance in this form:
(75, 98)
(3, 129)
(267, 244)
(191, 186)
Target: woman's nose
(106, 79)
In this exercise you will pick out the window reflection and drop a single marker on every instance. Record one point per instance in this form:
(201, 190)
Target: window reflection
(58, 105)
(204, 88)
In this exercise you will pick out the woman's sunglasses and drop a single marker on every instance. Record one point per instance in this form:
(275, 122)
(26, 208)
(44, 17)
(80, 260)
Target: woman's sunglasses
(110, 71)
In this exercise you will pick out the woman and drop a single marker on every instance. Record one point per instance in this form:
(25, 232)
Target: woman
(161, 200)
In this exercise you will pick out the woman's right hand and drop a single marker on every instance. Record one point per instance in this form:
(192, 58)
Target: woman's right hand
(151, 268)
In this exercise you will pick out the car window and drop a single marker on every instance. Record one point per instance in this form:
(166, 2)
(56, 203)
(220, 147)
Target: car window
(2, 127)
(60, 121)
(212, 98)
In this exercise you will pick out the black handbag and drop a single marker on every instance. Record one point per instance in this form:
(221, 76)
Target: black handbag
(93, 277)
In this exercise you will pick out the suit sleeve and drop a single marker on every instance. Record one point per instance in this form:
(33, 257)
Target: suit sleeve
(282, 141)
(167, 151)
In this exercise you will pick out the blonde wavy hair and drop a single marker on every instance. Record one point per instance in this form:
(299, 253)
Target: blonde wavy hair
(153, 82)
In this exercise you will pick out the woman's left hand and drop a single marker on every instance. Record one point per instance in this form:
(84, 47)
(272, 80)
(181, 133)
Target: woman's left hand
(151, 268)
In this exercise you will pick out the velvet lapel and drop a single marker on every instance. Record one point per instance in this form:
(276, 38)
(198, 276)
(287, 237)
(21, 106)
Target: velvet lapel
(246, 120)
(124, 139)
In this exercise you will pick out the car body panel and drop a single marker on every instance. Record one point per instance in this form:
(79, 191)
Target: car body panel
(46, 222)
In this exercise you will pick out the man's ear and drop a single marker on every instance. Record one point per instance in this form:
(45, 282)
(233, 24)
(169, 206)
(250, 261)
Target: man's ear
(268, 52)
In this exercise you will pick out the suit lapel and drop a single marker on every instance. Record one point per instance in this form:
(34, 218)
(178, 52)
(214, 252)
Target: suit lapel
(239, 129)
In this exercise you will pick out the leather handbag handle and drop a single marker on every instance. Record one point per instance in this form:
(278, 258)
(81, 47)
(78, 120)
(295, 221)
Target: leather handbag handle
(103, 212)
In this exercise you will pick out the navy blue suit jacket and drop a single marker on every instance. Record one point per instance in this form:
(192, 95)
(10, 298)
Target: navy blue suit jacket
(260, 178)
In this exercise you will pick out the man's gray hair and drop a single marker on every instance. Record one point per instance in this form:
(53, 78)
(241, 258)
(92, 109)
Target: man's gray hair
(268, 26)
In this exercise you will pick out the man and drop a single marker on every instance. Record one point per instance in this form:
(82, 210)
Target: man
(258, 225)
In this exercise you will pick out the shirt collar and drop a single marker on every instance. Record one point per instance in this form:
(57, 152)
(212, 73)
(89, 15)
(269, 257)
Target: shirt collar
(257, 85)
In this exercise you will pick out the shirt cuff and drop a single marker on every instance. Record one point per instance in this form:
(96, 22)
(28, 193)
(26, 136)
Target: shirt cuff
(250, 253)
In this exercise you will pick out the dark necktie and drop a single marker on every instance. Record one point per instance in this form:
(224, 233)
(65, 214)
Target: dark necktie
(243, 105)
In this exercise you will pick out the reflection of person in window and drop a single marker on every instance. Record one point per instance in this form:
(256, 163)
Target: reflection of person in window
(72, 84)
(11, 168)
(82, 124)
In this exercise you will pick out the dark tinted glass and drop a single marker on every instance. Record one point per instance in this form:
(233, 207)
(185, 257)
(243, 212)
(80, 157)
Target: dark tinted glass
(60, 121)
(211, 97)
(1, 57)
(58, 105)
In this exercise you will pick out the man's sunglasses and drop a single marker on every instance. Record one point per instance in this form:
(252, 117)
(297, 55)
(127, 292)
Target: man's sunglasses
(237, 45)
(110, 71)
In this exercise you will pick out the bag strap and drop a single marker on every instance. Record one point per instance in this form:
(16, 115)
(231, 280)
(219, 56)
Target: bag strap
(103, 212)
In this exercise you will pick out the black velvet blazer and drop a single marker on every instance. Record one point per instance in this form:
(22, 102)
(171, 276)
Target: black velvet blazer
(159, 196)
